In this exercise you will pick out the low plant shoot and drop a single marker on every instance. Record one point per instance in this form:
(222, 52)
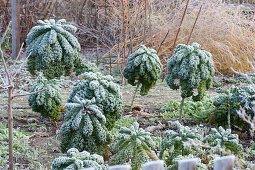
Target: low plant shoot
(76, 160)
(135, 144)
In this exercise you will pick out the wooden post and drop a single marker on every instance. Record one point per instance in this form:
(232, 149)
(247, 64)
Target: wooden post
(225, 162)
(189, 164)
(154, 165)
(120, 167)
(15, 5)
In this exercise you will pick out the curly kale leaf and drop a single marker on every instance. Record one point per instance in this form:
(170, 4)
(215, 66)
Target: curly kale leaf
(135, 144)
(143, 66)
(84, 126)
(48, 101)
(193, 68)
(53, 50)
(76, 160)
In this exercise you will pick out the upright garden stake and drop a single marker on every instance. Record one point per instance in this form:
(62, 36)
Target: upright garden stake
(9, 85)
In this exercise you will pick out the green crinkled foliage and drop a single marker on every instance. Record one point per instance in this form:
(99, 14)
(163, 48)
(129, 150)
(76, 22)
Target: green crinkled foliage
(175, 139)
(76, 160)
(231, 102)
(48, 101)
(132, 143)
(106, 93)
(143, 67)
(198, 111)
(84, 126)
(20, 144)
(224, 138)
(193, 68)
(54, 50)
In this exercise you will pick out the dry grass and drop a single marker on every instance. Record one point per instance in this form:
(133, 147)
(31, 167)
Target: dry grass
(226, 30)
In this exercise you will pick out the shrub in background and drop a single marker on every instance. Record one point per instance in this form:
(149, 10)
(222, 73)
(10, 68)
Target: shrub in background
(106, 93)
(190, 68)
(76, 160)
(83, 127)
(48, 101)
(135, 144)
(54, 50)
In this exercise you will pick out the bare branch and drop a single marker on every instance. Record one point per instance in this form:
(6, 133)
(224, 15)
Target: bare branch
(21, 66)
(18, 55)
(6, 31)
(20, 95)
(5, 67)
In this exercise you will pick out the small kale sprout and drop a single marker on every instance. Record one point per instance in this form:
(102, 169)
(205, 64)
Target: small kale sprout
(143, 68)
(48, 101)
(176, 140)
(106, 93)
(84, 126)
(135, 144)
(53, 49)
(224, 138)
(76, 160)
(190, 68)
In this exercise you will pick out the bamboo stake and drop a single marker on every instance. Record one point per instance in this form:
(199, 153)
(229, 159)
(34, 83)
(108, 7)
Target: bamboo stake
(176, 37)
(194, 25)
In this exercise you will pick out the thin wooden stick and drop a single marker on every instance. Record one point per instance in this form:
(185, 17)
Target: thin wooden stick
(15, 62)
(176, 37)
(10, 99)
(163, 40)
(145, 22)
(27, 94)
(5, 33)
(21, 66)
(194, 25)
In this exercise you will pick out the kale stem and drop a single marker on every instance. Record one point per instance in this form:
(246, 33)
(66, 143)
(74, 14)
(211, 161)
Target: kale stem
(133, 99)
(181, 108)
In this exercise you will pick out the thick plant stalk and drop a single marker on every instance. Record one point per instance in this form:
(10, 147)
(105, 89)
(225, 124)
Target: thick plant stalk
(181, 108)
(153, 157)
(133, 99)
(229, 124)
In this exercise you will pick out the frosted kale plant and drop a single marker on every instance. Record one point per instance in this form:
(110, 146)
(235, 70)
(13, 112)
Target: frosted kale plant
(135, 144)
(175, 140)
(224, 138)
(83, 127)
(106, 93)
(54, 50)
(88, 67)
(190, 68)
(48, 101)
(230, 103)
(143, 68)
(76, 160)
